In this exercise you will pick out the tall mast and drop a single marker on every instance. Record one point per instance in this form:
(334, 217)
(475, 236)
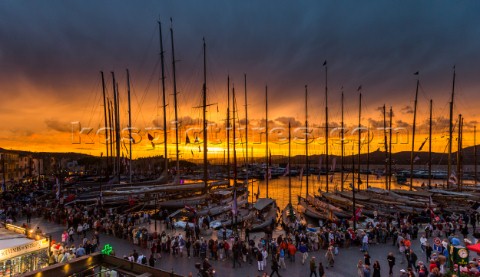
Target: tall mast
(289, 165)
(306, 141)
(205, 150)
(475, 152)
(110, 120)
(342, 143)
(105, 120)
(326, 124)
(117, 124)
(246, 134)
(359, 136)
(162, 60)
(228, 129)
(234, 136)
(177, 166)
(390, 150)
(266, 139)
(430, 146)
(368, 155)
(412, 158)
(129, 128)
(387, 187)
(450, 132)
(459, 151)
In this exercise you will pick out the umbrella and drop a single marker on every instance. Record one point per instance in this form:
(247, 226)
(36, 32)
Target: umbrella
(455, 242)
(474, 247)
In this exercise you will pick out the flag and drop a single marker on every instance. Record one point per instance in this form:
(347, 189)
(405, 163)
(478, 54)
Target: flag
(150, 137)
(423, 143)
(416, 73)
(234, 207)
(187, 140)
(452, 180)
(358, 213)
(359, 88)
(287, 170)
(416, 159)
(325, 63)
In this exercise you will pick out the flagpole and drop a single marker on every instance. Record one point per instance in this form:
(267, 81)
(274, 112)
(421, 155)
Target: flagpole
(390, 152)
(342, 143)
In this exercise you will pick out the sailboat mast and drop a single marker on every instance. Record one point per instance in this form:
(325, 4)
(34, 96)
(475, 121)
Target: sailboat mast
(306, 141)
(450, 132)
(107, 138)
(326, 125)
(205, 150)
(117, 124)
(246, 134)
(177, 166)
(289, 165)
(266, 140)
(459, 151)
(475, 152)
(390, 150)
(162, 60)
(228, 129)
(342, 145)
(368, 156)
(359, 137)
(129, 128)
(110, 120)
(234, 137)
(387, 187)
(413, 134)
(430, 146)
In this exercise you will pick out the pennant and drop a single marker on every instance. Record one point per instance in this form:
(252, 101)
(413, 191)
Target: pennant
(187, 140)
(416, 159)
(359, 88)
(416, 73)
(453, 179)
(150, 137)
(423, 143)
(325, 63)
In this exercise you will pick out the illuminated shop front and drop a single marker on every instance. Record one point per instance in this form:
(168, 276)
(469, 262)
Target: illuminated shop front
(21, 251)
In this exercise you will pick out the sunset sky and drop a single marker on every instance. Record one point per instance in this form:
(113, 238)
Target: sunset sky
(52, 52)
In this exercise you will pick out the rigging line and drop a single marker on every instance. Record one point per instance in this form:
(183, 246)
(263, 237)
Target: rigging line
(94, 102)
(146, 53)
(144, 96)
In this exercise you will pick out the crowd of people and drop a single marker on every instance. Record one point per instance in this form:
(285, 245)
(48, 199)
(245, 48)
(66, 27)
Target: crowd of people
(84, 223)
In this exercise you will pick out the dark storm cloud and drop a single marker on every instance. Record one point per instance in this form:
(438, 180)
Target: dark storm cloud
(62, 44)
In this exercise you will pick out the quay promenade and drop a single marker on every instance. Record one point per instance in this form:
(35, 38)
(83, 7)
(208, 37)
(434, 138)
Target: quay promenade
(345, 262)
